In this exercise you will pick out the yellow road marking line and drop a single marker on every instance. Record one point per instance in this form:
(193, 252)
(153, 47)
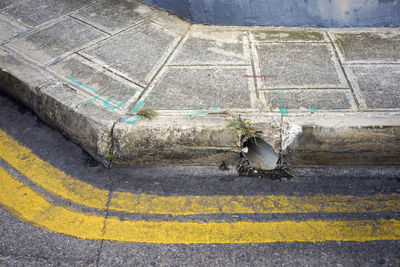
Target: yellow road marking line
(48, 177)
(29, 206)
(64, 186)
(25, 203)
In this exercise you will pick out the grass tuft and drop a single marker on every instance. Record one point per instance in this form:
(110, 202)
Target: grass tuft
(147, 113)
(242, 127)
(109, 155)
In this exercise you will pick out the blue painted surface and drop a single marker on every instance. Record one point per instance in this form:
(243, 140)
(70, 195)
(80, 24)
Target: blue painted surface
(314, 13)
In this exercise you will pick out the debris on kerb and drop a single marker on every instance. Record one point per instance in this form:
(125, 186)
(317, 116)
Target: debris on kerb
(259, 153)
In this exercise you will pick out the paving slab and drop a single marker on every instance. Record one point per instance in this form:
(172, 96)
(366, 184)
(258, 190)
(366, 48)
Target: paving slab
(286, 101)
(202, 88)
(286, 35)
(298, 65)
(379, 46)
(57, 40)
(8, 29)
(103, 84)
(113, 16)
(212, 47)
(137, 53)
(35, 12)
(7, 3)
(377, 86)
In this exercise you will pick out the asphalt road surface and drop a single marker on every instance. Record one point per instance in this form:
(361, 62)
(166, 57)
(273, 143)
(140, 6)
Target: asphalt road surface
(59, 207)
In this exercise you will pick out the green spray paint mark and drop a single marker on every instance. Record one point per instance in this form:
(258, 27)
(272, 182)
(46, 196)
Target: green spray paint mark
(201, 112)
(313, 109)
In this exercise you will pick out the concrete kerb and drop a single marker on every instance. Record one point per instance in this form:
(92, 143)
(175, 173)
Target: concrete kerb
(331, 138)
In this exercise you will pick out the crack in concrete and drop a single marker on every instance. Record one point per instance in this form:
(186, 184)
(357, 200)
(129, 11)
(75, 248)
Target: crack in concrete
(103, 230)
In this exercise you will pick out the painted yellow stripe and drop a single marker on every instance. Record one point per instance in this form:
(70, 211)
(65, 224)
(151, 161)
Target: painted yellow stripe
(186, 205)
(48, 177)
(29, 206)
(67, 187)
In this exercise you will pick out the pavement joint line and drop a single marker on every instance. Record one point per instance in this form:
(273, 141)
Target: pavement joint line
(360, 63)
(148, 88)
(52, 21)
(305, 88)
(64, 186)
(25, 204)
(13, 5)
(208, 65)
(52, 61)
(109, 69)
(90, 25)
(251, 55)
(339, 59)
(132, 26)
(109, 36)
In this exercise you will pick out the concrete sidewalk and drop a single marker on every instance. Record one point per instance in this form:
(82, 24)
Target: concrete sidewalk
(317, 96)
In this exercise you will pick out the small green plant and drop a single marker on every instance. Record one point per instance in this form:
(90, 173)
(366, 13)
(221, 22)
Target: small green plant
(147, 113)
(242, 127)
(109, 155)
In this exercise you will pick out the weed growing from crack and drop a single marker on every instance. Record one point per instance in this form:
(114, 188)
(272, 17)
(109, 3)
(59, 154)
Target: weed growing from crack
(147, 113)
(109, 155)
(242, 127)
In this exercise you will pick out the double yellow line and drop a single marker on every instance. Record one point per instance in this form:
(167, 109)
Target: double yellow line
(30, 206)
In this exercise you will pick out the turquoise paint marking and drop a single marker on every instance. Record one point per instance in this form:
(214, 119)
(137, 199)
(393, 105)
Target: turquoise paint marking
(72, 79)
(138, 106)
(313, 109)
(337, 109)
(94, 98)
(132, 122)
(281, 103)
(201, 112)
(106, 102)
(113, 107)
(284, 111)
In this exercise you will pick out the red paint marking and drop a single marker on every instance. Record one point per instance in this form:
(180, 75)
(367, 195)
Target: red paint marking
(261, 76)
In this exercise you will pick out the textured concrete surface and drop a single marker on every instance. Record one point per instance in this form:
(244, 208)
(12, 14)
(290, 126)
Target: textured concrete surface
(311, 100)
(202, 88)
(8, 29)
(64, 37)
(33, 13)
(368, 46)
(298, 65)
(92, 67)
(113, 16)
(138, 53)
(378, 85)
